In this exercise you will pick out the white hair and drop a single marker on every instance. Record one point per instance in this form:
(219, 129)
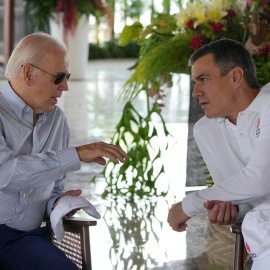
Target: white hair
(31, 49)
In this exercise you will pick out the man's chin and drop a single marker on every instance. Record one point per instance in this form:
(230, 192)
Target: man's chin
(210, 116)
(49, 109)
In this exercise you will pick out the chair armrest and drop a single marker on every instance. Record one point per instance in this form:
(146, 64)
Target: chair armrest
(74, 224)
(78, 225)
(236, 228)
(78, 221)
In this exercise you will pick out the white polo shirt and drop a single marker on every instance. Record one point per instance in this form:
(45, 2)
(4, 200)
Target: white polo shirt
(237, 157)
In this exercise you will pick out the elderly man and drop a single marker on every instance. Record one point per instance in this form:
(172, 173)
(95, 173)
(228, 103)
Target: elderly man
(34, 153)
(233, 138)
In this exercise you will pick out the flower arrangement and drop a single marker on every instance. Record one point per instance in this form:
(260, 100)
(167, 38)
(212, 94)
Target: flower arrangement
(262, 61)
(168, 42)
(212, 20)
(166, 45)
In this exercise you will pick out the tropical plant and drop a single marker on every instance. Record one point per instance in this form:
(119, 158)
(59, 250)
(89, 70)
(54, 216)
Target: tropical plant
(166, 45)
(169, 40)
(135, 133)
(41, 11)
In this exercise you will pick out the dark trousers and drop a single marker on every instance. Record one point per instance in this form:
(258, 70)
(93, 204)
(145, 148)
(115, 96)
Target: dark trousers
(31, 250)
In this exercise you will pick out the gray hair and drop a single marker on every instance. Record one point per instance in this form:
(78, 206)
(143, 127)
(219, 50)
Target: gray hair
(31, 49)
(229, 54)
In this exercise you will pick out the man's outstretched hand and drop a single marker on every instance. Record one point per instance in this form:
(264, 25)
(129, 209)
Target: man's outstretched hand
(95, 152)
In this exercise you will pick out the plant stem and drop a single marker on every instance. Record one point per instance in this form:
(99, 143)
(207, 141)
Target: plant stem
(148, 101)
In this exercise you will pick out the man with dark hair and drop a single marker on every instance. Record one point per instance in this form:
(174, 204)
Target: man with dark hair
(233, 137)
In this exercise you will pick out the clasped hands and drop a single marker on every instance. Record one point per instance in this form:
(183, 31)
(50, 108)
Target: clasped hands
(222, 213)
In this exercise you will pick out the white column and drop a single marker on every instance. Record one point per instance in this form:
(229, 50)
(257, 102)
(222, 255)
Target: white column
(77, 44)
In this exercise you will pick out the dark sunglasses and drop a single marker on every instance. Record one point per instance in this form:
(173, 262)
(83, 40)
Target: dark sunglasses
(58, 77)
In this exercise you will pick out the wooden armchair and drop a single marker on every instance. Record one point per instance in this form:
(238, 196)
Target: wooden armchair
(240, 253)
(76, 243)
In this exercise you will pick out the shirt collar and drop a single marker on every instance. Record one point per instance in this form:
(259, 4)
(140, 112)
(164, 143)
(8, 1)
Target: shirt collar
(221, 119)
(19, 107)
(257, 104)
(13, 100)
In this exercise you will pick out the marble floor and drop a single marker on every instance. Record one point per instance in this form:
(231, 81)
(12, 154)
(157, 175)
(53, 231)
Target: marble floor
(135, 235)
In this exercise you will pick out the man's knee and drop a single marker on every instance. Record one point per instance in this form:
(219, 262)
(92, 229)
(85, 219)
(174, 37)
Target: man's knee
(51, 262)
(62, 263)
(32, 253)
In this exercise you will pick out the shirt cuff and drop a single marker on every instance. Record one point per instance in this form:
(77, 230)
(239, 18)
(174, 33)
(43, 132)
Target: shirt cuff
(69, 160)
(50, 204)
(193, 204)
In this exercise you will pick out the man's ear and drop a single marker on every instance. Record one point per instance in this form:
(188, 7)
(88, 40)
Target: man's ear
(27, 74)
(237, 76)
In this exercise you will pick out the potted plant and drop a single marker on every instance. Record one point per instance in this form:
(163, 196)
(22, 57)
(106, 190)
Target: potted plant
(166, 45)
(68, 21)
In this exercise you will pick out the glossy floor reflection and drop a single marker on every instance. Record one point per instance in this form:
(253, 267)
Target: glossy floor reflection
(134, 235)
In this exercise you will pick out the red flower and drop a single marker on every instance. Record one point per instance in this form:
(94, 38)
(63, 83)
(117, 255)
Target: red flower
(190, 24)
(157, 96)
(217, 27)
(231, 13)
(264, 50)
(69, 8)
(197, 42)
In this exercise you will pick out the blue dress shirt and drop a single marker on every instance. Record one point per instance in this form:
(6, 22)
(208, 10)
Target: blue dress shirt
(34, 161)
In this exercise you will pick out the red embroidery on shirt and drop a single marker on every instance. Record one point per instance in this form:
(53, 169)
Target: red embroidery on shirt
(258, 130)
(258, 122)
(252, 255)
(247, 247)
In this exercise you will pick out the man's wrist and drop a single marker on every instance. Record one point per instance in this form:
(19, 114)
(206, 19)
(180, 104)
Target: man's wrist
(56, 200)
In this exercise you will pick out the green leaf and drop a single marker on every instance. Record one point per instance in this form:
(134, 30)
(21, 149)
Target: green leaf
(93, 180)
(157, 156)
(164, 24)
(254, 7)
(129, 33)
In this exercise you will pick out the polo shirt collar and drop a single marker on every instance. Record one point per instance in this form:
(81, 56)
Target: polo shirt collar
(257, 104)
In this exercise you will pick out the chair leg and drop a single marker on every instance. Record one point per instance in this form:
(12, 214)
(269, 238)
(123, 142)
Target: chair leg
(77, 227)
(86, 250)
(239, 248)
(238, 252)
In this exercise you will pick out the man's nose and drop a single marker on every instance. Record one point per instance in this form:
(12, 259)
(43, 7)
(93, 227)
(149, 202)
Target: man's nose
(196, 92)
(64, 85)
